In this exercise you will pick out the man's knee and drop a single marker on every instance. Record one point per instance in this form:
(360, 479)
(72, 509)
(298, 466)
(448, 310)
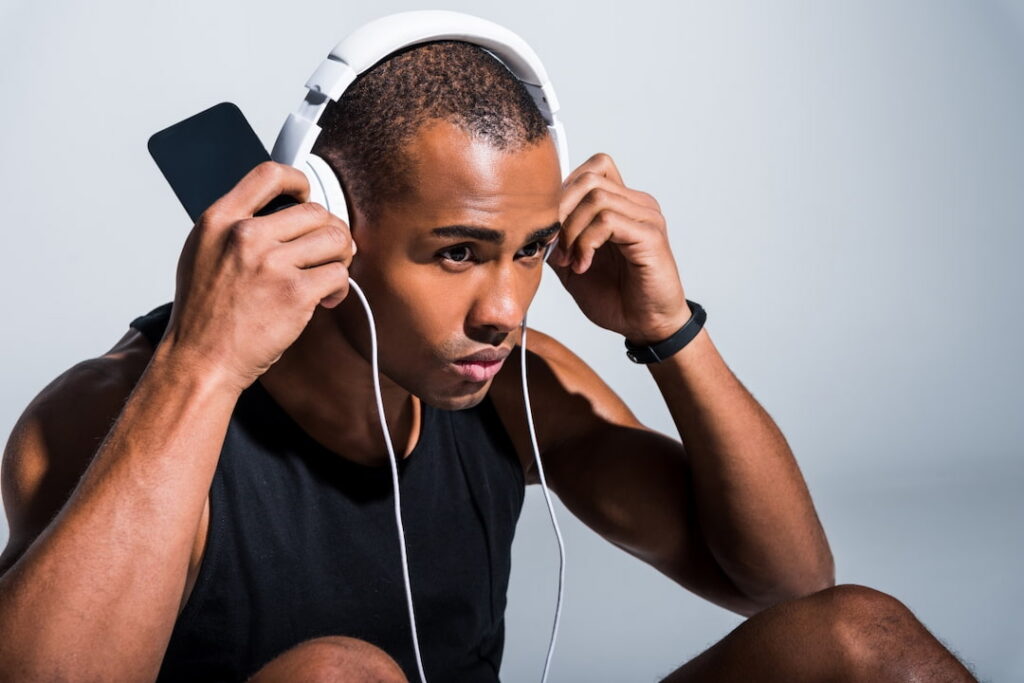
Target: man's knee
(339, 659)
(878, 637)
(869, 627)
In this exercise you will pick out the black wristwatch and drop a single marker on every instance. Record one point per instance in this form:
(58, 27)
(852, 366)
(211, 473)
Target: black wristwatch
(655, 353)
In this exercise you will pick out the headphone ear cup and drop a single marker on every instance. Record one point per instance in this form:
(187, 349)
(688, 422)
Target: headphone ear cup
(324, 187)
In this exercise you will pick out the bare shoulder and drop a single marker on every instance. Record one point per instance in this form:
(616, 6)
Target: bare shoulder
(59, 431)
(567, 397)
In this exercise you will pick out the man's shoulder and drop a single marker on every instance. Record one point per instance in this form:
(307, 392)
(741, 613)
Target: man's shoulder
(558, 379)
(114, 372)
(568, 398)
(117, 370)
(60, 429)
(75, 405)
(550, 364)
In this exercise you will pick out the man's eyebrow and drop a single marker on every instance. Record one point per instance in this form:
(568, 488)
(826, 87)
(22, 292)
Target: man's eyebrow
(470, 232)
(544, 233)
(474, 232)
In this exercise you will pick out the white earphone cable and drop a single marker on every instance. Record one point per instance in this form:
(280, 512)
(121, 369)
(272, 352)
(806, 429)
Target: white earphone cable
(398, 504)
(394, 470)
(547, 497)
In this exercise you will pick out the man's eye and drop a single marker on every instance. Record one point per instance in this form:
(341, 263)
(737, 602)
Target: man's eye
(459, 254)
(531, 249)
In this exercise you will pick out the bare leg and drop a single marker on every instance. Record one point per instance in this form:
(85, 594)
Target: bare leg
(845, 633)
(338, 659)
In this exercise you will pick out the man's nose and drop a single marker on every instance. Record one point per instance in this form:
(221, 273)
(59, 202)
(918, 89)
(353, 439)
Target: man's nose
(498, 308)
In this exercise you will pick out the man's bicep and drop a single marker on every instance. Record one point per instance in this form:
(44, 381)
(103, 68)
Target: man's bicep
(632, 487)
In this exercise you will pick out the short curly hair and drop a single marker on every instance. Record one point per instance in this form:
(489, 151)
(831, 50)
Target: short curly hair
(364, 133)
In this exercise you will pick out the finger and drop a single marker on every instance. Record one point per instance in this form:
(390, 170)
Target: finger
(601, 164)
(328, 283)
(322, 245)
(578, 187)
(295, 221)
(584, 183)
(608, 226)
(264, 182)
(590, 206)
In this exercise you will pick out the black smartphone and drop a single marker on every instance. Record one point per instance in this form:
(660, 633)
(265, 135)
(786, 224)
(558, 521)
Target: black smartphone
(206, 155)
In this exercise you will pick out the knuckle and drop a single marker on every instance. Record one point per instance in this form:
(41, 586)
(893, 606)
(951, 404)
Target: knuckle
(594, 196)
(294, 287)
(315, 211)
(340, 271)
(336, 284)
(212, 217)
(650, 199)
(601, 158)
(271, 170)
(241, 240)
(271, 262)
(338, 235)
(242, 232)
(587, 242)
(583, 178)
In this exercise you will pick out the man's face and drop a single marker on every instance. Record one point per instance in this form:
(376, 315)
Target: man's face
(451, 270)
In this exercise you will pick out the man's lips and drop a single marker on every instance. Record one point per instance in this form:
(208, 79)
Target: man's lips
(482, 365)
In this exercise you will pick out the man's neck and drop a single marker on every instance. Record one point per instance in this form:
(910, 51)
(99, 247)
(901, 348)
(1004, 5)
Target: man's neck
(326, 386)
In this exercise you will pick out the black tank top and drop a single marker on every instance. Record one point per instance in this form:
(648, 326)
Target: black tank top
(303, 543)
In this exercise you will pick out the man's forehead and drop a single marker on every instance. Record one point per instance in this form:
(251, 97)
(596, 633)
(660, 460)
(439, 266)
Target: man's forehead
(464, 187)
(450, 163)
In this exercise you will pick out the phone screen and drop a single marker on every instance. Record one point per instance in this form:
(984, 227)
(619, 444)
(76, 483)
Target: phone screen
(205, 155)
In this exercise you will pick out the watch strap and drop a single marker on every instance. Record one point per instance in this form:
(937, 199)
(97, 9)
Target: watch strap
(655, 353)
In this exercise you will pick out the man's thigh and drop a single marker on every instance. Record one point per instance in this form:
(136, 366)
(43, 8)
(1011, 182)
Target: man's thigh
(844, 633)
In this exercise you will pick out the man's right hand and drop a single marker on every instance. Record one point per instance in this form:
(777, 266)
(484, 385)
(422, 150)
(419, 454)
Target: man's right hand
(247, 286)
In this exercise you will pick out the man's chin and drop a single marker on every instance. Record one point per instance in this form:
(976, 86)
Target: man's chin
(466, 396)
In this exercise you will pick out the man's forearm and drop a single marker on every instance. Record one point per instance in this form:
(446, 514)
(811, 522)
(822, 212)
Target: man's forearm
(753, 505)
(95, 597)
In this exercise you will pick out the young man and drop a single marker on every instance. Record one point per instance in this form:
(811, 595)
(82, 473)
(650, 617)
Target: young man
(234, 520)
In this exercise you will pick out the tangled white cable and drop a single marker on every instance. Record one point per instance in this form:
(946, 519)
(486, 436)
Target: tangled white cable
(398, 503)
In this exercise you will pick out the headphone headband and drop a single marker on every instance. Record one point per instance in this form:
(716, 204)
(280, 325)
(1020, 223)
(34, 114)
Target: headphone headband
(376, 39)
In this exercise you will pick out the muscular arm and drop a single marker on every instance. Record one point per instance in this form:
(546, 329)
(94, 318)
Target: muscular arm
(734, 495)
(727, 517)
(93, 593)
(754, 505)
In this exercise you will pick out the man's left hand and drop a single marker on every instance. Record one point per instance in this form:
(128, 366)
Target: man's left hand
(613, 255)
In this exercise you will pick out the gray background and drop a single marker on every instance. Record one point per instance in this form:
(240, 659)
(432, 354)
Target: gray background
(842, 181)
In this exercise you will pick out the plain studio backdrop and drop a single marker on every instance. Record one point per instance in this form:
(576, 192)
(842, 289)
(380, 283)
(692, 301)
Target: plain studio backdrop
(843, 186)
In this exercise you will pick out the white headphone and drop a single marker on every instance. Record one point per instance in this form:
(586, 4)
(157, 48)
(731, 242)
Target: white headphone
(375, 40)
(362, 49)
